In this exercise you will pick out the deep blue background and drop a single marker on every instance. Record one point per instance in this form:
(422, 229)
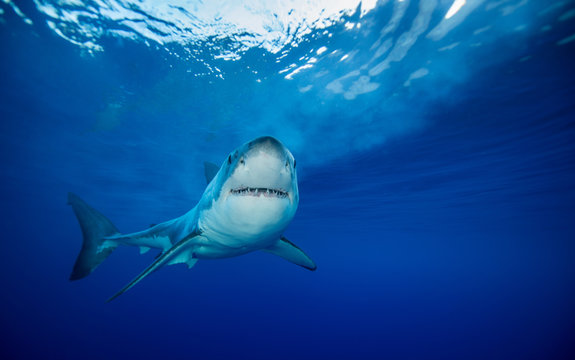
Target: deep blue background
(453, 241)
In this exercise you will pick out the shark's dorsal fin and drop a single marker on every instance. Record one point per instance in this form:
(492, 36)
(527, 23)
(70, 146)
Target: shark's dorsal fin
(169, 257)
(210, 170)
(289, 251)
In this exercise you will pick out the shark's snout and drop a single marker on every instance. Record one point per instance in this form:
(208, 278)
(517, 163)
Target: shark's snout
(268, 145)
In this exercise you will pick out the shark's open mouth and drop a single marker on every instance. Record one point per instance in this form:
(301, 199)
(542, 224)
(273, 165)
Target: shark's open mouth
(249, 191)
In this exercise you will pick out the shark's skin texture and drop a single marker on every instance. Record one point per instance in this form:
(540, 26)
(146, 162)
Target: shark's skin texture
(247, 205)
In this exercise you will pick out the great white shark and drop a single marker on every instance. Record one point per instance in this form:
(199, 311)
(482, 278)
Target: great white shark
(248, 204)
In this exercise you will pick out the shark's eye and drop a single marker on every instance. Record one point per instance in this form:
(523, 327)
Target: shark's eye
(287, 164)
(229, 159)
(242, 161)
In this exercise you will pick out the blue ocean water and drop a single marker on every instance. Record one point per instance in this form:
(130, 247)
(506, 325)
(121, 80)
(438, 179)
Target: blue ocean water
(435, 143)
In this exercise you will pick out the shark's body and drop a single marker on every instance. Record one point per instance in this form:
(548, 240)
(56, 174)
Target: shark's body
(247, 205)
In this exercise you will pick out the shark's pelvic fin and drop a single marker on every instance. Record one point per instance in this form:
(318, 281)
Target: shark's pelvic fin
(95, 227)
(289, 251)
(144, 249)
(172, 256)
(210, 171)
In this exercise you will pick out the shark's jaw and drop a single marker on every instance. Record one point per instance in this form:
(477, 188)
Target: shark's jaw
(259, 192)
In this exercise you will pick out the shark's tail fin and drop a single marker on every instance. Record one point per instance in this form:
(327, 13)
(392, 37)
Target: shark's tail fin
(95, 227)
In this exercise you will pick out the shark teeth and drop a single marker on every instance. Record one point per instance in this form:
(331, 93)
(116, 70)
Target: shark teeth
(249, 191)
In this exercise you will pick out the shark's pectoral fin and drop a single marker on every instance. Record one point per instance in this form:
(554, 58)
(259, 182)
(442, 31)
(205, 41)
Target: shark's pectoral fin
(174, 255)
(289, 251)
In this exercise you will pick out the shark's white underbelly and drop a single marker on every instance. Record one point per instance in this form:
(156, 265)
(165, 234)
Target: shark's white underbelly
(211, 245)
(241, 225)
